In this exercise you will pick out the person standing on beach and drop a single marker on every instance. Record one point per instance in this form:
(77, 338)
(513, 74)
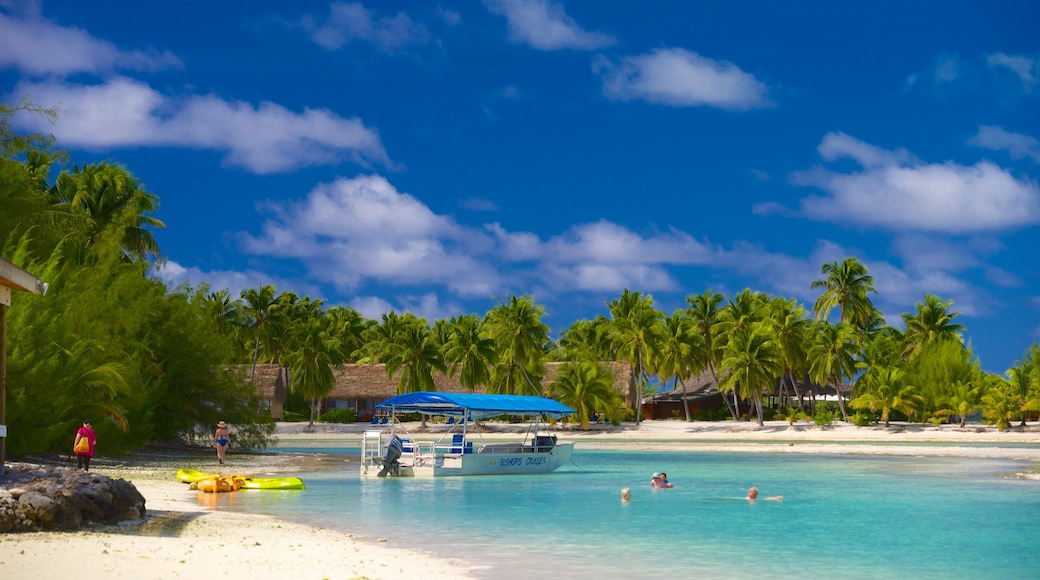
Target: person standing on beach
(83, 446)
(222, 440)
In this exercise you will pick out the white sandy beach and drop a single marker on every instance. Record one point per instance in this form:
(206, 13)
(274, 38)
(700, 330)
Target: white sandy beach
(182, 537)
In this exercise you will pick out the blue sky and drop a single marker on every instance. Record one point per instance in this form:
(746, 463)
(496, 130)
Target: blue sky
(432, 156)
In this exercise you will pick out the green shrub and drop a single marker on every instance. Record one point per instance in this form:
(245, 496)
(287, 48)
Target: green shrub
(823, 416)
(339, 416)
(862, 419)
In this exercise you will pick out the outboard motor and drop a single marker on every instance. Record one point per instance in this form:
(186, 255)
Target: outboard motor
(393, 453)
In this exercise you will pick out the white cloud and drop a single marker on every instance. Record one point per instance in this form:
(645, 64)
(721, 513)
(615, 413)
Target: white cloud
(1017, 145)
(350, 21)
(174, 274)
(945, 197)
(544, 25)
(37, 46)
(354, 230)
(265, 138)
(838, 145)
(681, 78)
(1026, 69)
(605, 242)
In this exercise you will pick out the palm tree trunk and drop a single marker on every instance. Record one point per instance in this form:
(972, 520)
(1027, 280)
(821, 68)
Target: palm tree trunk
(758, 407)
(685, 403)
(715, 376)
(841, 400)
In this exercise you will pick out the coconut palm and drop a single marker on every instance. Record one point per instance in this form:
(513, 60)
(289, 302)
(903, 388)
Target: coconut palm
(677, 351)
(315, 348)
(846, 288)
(789, 324)
(636, 334)
(705, 311)
(586, 340)
(584, 387)
(752, 362)
(377, 339)
(964, 399)
(886, 391)
(931, 322)
(350, 326)
(469, 352)
(521, 339)
(258, 304)
(106, 194)
(743, 310)
(415, 354)
(830, 355)
(1001, 404)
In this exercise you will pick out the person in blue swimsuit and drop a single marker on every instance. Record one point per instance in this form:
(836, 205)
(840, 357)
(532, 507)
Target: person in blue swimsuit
(221, 439)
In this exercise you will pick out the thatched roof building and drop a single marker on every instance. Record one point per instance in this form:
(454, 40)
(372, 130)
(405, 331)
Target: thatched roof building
(362, 386)
(702, 394)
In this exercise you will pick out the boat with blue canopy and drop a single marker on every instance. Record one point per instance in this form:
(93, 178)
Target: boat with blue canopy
(395, 453)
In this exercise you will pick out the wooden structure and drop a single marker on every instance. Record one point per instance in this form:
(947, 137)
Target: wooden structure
(12, 278)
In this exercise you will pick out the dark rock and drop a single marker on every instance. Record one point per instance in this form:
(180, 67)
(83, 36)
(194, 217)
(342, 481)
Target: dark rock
(56, 498)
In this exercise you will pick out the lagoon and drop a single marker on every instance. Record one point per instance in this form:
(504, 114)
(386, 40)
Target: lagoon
(842, 515)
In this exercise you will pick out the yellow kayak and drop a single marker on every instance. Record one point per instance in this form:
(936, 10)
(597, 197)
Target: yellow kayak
(192, 475)
(270, 483)
(242, 481)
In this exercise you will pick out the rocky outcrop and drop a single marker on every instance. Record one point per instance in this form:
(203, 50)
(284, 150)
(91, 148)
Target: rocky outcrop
(36, 497)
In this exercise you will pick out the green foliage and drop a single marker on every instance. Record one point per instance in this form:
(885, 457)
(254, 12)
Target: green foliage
(585, 387)
(824, 416)
(339, 416)
(862, 419)
(792, 414)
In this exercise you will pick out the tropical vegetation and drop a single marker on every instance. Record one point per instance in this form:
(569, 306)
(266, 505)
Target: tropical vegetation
(147, 362)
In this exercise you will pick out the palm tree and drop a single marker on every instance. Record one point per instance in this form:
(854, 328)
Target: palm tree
(416, 355)
(521, 339)
(742, 311)
(705, 313)
(107, 194)
(470, 352)
(887, 391)
(377, 340)
(585, 387)
(636, 335)
(963, 400)
(846, 287)
(1019, 379)
(830, 356)
(753, 362)
(586, 340)
(258, 304)
(676, 356)
(349, 326)
(789, 325)
(316, 348)
(932, 322)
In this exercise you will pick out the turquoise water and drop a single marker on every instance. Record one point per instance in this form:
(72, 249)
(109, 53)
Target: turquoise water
(842, 516)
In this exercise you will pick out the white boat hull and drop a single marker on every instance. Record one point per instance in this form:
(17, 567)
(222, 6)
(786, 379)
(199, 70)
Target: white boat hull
(491, 459)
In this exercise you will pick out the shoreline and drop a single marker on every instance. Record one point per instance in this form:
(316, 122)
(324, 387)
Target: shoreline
(180, 536)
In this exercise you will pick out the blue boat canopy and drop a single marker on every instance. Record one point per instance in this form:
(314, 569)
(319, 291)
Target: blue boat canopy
(474, 406)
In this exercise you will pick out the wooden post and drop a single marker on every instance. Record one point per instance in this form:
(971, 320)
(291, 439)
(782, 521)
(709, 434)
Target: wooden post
(3, 384)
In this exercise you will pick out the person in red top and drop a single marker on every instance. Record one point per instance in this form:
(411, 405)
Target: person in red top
(83, 455)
